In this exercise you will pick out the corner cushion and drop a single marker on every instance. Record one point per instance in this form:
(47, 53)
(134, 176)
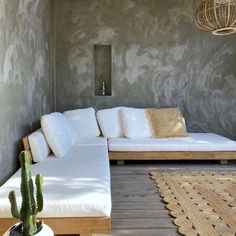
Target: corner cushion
(84, 122)
(110, 122)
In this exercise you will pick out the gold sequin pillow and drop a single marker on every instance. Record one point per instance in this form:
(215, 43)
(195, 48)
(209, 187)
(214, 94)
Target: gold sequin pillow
(166, 122)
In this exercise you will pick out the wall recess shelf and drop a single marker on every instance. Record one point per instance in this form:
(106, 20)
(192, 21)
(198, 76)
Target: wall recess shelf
(102, 70)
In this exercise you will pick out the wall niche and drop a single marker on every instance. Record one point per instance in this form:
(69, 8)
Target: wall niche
(102, 69)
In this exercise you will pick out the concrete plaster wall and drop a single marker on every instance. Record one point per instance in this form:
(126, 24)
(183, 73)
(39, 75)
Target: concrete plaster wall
(159, 59)
(25, 74)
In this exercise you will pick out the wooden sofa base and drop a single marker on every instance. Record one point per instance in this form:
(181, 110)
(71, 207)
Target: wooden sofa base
(83, 226)
(223, 157)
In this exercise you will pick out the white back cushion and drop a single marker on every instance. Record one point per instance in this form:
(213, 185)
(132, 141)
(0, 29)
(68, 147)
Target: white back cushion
(56, 135)
(110, 122)
(85, 122)
(68, 125)
(135, 123)
(39, 146)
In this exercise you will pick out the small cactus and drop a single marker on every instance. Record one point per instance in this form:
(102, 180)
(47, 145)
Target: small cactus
(29, 207)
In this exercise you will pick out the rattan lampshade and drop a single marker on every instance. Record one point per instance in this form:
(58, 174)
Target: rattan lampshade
(217, 16)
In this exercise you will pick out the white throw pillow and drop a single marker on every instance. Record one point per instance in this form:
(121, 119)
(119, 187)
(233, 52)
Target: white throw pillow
(85, 122)
(68, 125)
(39, 146)
(111, 123)
(56, 135)
(135, 123)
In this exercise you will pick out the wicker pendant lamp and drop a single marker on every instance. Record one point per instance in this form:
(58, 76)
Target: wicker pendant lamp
(217, 16)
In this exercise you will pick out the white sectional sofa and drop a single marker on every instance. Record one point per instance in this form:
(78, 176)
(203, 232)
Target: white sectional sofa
(197, 146)
(205, 142)
(75, 163)
(77, 189)
(129, 138)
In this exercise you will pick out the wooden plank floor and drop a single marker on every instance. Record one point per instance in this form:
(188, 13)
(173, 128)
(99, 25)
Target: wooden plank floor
(137, 207)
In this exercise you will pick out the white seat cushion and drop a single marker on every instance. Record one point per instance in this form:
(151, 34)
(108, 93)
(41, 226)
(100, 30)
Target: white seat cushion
(39, 146)
(84, 122)
(135, 123)
(110, 122)
(75, 186)
(56, 135)
(194, 142)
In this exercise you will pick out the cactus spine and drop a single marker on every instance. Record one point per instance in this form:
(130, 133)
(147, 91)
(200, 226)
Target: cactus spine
(30, 207)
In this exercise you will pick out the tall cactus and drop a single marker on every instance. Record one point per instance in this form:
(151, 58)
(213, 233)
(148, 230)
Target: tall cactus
(30, 207)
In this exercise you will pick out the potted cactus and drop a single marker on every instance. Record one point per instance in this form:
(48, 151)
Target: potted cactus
(30, 207)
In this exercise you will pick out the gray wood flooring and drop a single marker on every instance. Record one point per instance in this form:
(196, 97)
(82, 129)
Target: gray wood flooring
(137, 207)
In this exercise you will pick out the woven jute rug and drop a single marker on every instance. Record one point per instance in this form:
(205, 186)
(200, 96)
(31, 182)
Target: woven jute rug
(202, 203)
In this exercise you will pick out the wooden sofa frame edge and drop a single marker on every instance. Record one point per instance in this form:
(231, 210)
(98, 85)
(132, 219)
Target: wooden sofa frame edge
(222, 157)
(83, 226)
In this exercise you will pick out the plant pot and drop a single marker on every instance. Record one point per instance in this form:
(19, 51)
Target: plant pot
(45, 231)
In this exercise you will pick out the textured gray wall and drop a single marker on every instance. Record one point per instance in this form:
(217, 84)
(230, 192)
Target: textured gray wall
(25, 74)
(159, 60)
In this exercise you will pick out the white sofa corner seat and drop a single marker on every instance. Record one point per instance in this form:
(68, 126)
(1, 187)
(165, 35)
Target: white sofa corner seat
(77, 185)
(194, 142)
(97, 141)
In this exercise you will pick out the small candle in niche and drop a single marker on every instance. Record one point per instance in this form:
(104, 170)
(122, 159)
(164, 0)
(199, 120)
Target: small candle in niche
(103, 88)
